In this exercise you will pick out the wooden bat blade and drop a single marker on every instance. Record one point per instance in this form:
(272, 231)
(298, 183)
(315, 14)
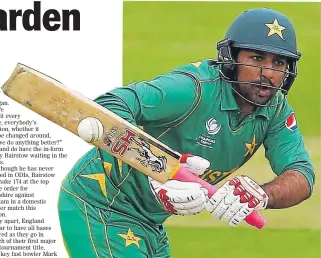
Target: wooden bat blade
(76, 113)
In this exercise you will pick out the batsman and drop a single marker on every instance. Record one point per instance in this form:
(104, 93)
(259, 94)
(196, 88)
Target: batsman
(218, 112)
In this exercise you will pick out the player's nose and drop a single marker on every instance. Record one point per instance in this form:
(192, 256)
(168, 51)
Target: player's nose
(267, 70)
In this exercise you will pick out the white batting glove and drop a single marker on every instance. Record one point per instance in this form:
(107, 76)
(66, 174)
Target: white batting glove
(180, 198)
(194, 164)
(183, 198)
(236, 199)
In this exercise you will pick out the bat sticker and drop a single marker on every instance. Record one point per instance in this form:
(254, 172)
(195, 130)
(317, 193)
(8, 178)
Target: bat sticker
(157, 163)
(121, 145)
(108, 139)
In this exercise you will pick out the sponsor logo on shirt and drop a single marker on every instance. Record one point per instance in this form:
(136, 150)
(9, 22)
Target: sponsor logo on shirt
(291, 123)
(215, 176)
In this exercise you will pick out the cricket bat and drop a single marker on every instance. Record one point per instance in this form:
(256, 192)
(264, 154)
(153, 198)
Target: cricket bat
(101, 127)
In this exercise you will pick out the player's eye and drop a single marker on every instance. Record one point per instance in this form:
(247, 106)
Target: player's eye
(257, 58)
(280, 62)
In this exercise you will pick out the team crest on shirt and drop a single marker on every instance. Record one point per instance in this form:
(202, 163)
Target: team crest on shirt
(291, 122)
(130, 238)
(212, 128)
(250, 147)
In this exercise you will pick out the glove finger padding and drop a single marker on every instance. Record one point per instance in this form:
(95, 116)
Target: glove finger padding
(181, 198)
(236, 199)
(181, 192)
(190, 204)
(232, 210)
(194, 164)
(218, 197)
(194, 211)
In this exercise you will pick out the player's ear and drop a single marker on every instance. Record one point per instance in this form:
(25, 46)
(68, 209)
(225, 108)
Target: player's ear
(235, 53)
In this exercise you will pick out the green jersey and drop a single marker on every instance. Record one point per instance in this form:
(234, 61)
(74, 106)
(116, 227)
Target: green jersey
(192, 110)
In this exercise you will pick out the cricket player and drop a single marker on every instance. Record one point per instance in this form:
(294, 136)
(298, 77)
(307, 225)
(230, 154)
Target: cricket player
(217, 112)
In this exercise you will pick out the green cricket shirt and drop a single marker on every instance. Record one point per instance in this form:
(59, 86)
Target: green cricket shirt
(193, 111)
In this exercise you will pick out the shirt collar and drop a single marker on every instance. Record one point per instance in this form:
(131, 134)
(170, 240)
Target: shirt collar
(227, 99)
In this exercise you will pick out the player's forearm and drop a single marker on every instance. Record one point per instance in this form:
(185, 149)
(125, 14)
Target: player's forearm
(287, 190)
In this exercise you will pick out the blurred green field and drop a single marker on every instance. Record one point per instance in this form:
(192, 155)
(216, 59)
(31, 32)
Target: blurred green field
(158, 36)
(245, 243)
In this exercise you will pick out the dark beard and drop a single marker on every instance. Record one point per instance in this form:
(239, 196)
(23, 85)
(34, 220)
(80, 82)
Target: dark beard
(244, 97)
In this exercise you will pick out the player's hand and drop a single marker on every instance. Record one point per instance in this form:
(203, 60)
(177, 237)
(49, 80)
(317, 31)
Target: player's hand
(180, 198)
(183, 198)
(236, 199)
(194, 164)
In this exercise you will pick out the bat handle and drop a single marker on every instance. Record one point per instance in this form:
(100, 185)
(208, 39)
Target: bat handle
(253, 219)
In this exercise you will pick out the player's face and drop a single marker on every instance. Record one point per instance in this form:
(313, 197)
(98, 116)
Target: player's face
(260, 94)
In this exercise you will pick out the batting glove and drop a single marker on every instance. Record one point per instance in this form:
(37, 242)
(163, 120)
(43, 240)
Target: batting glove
(183, 198)
(236, 199)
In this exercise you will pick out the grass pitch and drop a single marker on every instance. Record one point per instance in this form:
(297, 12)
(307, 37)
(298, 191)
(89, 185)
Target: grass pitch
(243, 243)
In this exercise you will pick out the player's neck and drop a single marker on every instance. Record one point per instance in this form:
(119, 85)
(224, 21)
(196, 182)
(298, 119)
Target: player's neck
(244, 106)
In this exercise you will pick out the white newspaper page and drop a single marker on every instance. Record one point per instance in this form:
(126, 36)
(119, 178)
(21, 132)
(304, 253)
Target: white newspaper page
(83, 52)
